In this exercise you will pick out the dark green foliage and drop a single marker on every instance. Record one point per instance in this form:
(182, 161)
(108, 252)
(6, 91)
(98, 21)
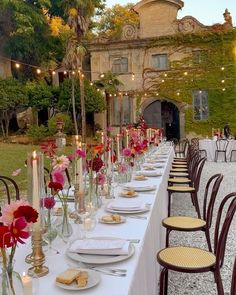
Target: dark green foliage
(94, 101)
(67, 123)
(37, 133)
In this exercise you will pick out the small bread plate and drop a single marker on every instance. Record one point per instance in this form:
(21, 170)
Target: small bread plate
(100, 259)
(110, 220)
(128, 194)
(120, 211)
(93, 279)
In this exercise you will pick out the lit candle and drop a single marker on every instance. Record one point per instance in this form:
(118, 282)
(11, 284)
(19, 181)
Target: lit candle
(27, 284)
(35, 189)
(87, 223)
(79, 167)
(127, 138)
(109, 157)
(118, 146)
(102, 138)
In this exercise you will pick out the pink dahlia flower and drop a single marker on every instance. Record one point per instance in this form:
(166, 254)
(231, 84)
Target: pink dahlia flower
(126, 152)
(60, 163)
(57, 176)
(9, 210)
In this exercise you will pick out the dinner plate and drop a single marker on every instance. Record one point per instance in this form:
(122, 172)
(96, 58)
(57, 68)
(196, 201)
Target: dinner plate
(93, 279)
(122, 220)
(141, 210)
(140, 188)
(101, 259)
(137, 178)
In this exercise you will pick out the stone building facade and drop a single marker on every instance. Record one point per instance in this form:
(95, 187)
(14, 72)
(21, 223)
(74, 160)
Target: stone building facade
(141, 56)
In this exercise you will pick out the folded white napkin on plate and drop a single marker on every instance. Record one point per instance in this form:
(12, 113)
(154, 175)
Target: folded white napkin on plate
(100, 247)
(149, 173)
(156, 165)
(137, 185)
(129, 206)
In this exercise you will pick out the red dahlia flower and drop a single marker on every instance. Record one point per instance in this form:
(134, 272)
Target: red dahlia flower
(55, 185)
(5, 237)
(29, 213)
(17, 231)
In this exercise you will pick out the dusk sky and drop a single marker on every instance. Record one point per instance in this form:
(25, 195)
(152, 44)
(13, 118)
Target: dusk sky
(206, 11)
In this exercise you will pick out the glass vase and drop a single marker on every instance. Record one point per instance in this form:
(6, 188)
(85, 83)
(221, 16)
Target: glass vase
(50, 234)
(64, 229)
(10, 281)
(92, 199)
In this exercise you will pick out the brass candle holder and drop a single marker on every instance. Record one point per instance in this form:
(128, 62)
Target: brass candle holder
(37, 257)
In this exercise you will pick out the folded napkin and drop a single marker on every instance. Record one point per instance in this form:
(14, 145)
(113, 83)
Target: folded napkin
(139, 186)
(157, 165)
(129, 206)
(100, 247)
(150, 173)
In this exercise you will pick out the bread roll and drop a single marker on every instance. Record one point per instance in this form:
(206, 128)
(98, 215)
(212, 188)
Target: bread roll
(68, 276)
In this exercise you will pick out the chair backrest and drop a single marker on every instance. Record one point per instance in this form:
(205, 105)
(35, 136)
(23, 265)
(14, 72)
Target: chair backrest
(222, 144)
(10, 189)
(195, 143)
(197, 173)
(228, 205)
(211, 190)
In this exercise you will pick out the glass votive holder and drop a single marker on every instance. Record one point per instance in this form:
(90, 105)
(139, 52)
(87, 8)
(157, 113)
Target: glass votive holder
(30, 283)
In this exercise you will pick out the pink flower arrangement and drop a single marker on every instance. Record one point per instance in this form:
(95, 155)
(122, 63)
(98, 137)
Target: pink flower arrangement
(81, 153)
(126, 152)
(60, 163)
(48, 202)
(57, 176)
(100, 178)
(122, 168)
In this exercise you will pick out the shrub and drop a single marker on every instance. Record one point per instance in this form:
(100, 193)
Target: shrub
(37, 133)
(67, 126)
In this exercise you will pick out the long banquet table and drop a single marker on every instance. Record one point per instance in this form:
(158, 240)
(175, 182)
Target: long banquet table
(142, 268)
(210, 146)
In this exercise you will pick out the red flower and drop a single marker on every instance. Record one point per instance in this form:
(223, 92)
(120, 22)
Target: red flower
(48, 148)
(48, 202)
(113, 158)
(55, 185)
(29, 213)
(96, 164)
(5, 237)
(17, 231)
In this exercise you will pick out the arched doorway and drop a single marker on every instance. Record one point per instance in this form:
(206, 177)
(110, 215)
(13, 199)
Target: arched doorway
(163, 114)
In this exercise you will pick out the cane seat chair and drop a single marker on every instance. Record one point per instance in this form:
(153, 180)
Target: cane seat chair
(196, 260)
(8, 189)
(193, 189)
(181, 148)
(195, 144)
(221, 148)
(188, 223)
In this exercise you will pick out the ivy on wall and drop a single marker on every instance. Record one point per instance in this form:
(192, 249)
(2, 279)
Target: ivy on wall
(215, 72)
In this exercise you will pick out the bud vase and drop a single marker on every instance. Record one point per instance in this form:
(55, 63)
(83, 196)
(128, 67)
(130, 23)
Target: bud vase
(10, 282)
(64, 229)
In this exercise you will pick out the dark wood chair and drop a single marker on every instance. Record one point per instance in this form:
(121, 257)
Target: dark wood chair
(9, 188)
(196, 260)
(190, 224)
(192, 189)
(221, 148)
(181, 148)
(195, 144)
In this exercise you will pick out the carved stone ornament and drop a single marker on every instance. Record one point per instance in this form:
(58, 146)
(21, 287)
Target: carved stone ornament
(129, 32)
(186, 26)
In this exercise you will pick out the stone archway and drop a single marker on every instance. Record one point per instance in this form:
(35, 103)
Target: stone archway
(166, 114)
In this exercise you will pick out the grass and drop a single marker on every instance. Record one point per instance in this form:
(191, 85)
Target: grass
(13, 156)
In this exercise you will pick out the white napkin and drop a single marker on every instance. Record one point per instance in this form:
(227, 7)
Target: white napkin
(100, 247)
(157, 165)
(149, 173)
(137, 185)
(129, 205)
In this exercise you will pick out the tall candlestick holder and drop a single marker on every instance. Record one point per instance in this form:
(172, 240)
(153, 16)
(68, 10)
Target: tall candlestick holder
(38, 258)
(79, 203)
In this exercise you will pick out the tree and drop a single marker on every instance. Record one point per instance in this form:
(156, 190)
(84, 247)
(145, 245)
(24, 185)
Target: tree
(78, 14)
(94, 101)
(110, 84)
(40, 96)
(12, 95)
(113, 19)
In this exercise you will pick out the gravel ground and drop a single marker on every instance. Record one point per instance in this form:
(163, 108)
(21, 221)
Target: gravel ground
(201, 284)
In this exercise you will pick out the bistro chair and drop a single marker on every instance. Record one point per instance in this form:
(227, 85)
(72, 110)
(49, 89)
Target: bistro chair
(195, 144)
(196, 260)
(192, 189)
(9, 189)
(232, 154)
(181, 148)
(221, 148)
(190, 224)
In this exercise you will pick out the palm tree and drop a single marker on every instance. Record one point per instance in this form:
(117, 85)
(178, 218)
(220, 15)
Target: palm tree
(110, 84)
(79, 14)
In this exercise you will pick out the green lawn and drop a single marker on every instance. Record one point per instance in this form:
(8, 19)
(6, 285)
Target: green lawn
(13, 157)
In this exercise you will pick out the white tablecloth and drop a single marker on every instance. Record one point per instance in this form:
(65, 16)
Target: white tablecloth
(142, 268)
(210, 146)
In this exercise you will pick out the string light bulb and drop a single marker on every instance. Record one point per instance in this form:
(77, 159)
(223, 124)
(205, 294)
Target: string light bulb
(91, 83)
(17, 65)
(165, 75)
(73, 72)
(185, 73)
(133, 77)
(65, 72)
(102, 75)
(157, 94)
(82, 75)
(178, 93)
(38, 71)
(223, 89)
(162, 80)
(222, 68)
(54, 73)
(223, 81)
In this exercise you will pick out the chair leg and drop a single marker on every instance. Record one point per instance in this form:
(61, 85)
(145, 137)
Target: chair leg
(163, 282)
(225, 157)
(208, 239)
(167, 237)
(169, 203)
(219, 284)
(196, 204)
